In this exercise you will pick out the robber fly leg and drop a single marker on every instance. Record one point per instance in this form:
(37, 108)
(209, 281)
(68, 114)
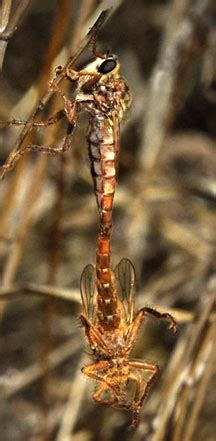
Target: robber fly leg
(152, 313)
(51, 120)
(139, 396)
(55, 150)
(71, 108)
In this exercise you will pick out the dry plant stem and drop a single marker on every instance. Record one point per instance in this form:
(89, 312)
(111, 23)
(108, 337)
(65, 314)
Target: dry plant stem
(202, 387)
(8, 293)
(18, 149)
(194, 392)
(14, 257)
(10, 197)
(79, 388)
(4, 14)
(199, 375)
(61, 22)
(85, 9)
(185, 238)
(183, 366)
(49, 307)
(8, 24)
(11, 23)
(179, 47)
(35, 371)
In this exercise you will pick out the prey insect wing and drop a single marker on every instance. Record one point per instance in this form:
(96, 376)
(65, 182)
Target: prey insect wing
(125, 283)
(88, 292)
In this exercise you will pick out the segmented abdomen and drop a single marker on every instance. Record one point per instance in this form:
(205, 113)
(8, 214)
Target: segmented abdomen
(103, 154)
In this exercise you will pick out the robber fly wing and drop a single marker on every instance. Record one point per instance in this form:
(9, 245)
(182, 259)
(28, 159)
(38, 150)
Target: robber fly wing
(88, 292)
(125, 283)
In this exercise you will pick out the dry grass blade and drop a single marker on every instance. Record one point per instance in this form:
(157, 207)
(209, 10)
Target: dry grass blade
(9, 22)
(180, 49)
(190, 366)
(78, 390)
(5, 13)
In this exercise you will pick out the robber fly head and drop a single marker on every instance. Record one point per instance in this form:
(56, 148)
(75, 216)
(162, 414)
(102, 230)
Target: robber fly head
(108, 64)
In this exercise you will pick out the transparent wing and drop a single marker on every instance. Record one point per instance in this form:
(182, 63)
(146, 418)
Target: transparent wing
(125, 284)
(88, 292)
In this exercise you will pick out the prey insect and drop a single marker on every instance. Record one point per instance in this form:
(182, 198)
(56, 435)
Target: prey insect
(111, 327)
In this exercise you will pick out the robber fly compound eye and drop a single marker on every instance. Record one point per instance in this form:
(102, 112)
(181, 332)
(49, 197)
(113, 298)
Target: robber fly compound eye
(107, 65)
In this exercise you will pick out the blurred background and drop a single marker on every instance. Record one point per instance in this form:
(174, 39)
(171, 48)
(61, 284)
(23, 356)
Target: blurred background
(164, 218)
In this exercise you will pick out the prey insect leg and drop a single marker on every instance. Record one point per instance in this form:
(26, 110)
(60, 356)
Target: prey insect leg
(112, 402)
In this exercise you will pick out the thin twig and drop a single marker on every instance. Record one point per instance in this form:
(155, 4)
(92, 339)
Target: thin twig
(79, 388)
(9, 24)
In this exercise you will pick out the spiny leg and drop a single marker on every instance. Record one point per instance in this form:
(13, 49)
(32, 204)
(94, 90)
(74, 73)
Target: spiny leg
(152, 313)
(51, 120)
(139, 398)
(94, 336)
(71, 107)
(55, 150)
(15, 155)
(74, 75)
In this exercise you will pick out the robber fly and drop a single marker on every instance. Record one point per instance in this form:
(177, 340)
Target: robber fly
(111, 327)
